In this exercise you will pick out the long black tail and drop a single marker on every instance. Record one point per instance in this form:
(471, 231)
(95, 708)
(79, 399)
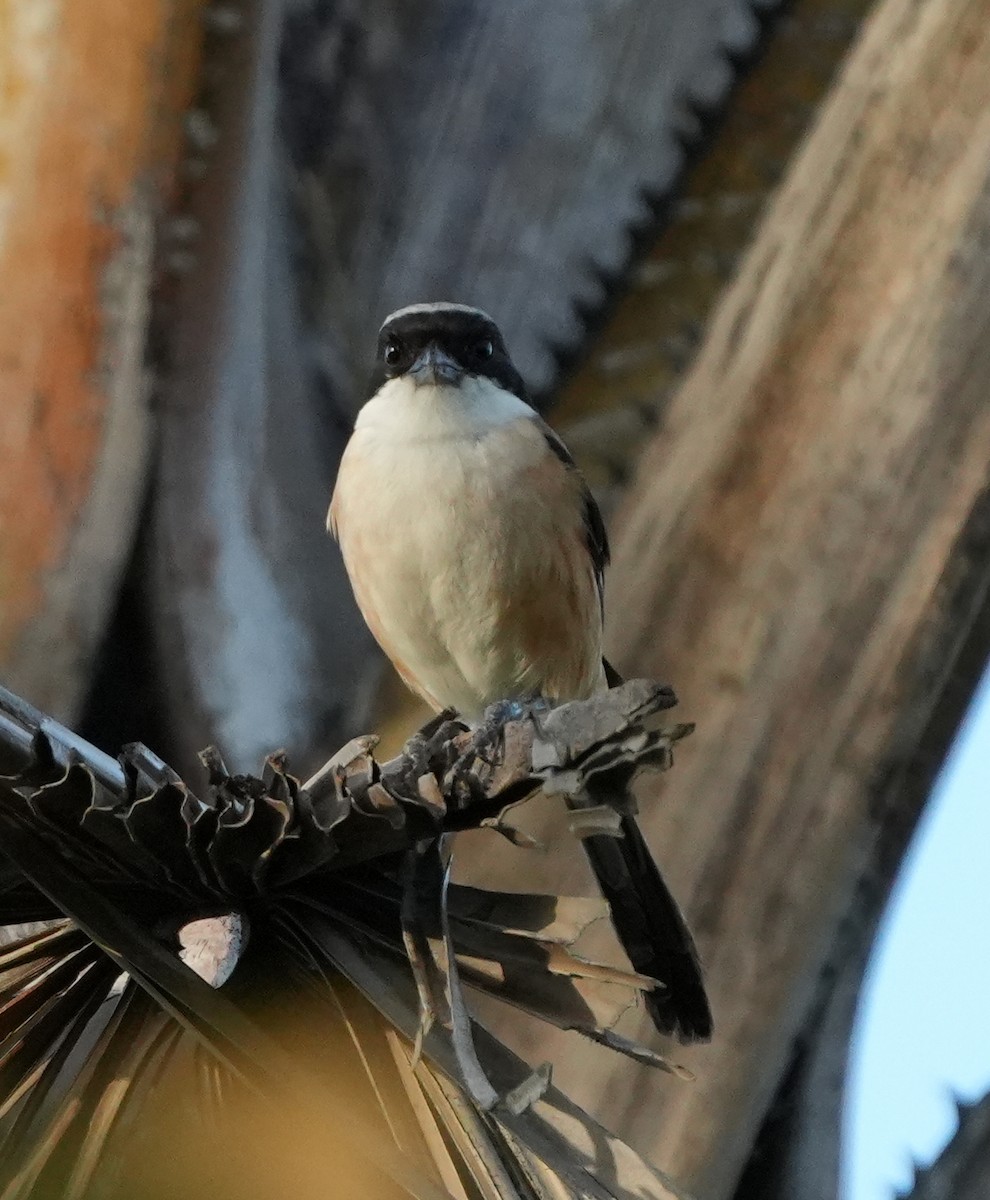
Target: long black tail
(650, 926)
(652, 931)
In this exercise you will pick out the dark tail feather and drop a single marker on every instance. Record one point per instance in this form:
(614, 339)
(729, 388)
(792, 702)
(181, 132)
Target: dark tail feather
(612, 676)
(652, 931)
(650, 926)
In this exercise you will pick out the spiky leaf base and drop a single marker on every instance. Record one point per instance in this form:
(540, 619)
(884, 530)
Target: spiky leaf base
(273, 976)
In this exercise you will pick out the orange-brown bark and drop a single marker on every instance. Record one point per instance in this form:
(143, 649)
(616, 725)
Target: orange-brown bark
(91, 104)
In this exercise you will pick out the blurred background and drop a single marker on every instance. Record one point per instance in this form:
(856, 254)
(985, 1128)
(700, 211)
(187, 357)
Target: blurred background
(740, 250)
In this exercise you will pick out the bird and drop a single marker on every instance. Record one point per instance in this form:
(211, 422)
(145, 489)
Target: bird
(477, 553)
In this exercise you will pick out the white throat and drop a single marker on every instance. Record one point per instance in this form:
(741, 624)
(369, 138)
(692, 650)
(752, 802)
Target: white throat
(402, 410)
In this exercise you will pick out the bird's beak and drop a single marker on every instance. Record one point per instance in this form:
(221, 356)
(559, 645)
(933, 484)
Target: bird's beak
(435, 365)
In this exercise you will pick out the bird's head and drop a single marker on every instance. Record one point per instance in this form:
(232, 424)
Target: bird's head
(443, 345)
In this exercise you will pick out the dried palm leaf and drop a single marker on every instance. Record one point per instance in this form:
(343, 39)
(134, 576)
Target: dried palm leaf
(291, 958)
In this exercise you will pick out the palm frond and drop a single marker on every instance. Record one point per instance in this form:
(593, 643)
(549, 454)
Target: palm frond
(291, 949)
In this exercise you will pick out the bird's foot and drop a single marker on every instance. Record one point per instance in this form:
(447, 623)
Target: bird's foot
(516, 709)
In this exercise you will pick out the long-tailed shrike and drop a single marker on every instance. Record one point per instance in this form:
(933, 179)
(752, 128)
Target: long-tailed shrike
(476, 553)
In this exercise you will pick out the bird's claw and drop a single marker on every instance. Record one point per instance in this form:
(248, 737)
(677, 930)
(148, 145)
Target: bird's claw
(514, 710)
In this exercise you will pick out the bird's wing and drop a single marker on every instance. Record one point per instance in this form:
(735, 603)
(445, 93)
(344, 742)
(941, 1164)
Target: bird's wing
(596, 537)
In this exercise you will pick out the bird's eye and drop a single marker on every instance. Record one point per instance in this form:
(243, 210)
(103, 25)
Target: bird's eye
(485, 349)
(393, 352)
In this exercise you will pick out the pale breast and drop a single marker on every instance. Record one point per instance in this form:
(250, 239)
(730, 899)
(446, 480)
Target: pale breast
(468, 561)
